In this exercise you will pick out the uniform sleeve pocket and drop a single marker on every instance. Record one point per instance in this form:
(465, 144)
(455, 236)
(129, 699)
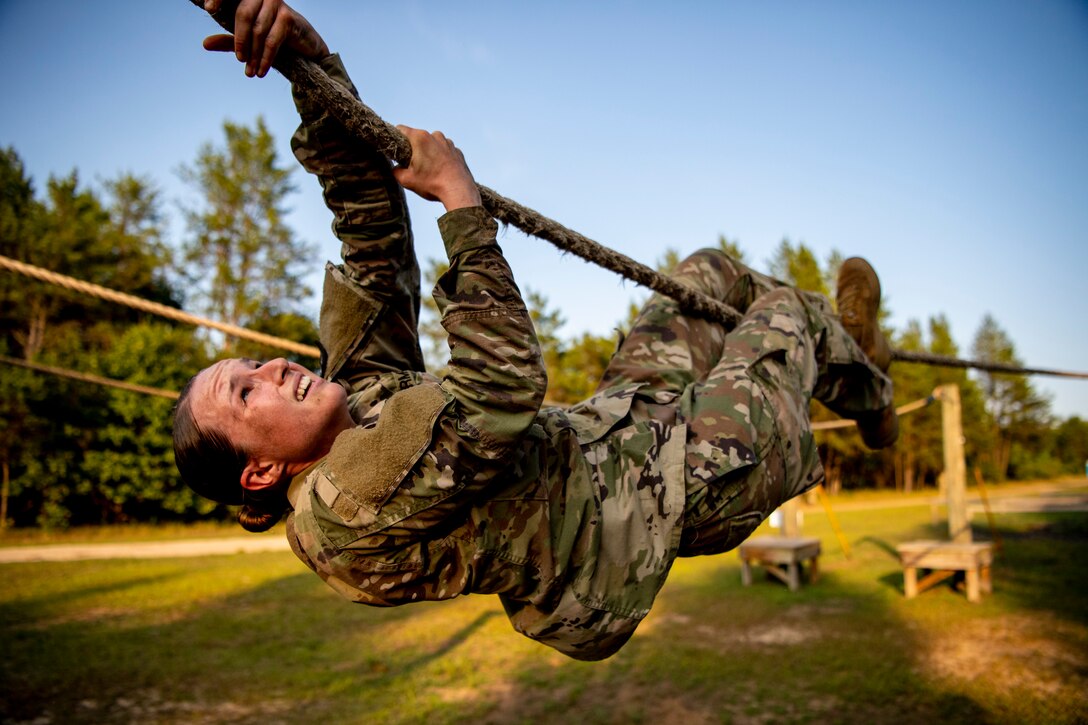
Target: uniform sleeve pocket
(347, 316)
(366, 465)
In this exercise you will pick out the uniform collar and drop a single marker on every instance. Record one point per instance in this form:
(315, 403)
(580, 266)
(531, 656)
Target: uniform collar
(294, 489)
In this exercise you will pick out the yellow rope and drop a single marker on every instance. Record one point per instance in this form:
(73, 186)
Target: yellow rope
(989, 511)
(826, 501)
(88, 378)
(153, 307)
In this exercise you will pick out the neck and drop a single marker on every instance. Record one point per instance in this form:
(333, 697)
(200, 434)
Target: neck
(294, 468)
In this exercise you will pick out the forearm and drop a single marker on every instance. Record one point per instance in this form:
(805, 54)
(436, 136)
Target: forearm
(495, 370)
(370, 214)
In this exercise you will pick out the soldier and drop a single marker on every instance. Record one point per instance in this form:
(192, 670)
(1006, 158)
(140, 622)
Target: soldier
(400, 487)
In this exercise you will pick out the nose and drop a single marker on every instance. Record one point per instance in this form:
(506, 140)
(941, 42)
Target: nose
(273, 370)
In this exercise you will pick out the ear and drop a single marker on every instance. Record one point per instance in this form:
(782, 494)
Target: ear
(257, 476)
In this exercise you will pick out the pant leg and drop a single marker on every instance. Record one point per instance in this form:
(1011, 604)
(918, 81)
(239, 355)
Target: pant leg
(750, 445)
(666, 351)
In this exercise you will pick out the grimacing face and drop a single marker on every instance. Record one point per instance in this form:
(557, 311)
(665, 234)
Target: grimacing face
(277, 411)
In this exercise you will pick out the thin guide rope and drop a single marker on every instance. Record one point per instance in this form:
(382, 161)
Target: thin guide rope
(89, 378)
(901, 410)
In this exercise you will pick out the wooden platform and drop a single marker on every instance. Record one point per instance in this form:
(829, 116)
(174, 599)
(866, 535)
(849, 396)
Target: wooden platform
(782, 557)
(943, 559)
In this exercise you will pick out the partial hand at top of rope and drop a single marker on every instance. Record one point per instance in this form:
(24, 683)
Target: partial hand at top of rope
(438, 171)
(259, 28)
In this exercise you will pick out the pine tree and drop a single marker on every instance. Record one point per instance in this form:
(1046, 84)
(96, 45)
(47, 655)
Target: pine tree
(244, 261)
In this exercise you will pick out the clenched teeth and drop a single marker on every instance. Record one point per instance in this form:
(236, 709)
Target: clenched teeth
(303, 386)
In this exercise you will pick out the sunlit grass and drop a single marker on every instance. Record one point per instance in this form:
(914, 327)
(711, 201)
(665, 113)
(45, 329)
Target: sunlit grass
(123, 533)
(258, 638)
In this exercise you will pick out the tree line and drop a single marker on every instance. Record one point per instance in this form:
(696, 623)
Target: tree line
(76, 453)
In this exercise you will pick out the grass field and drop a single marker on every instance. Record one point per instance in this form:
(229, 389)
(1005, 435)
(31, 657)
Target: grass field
(258, 638)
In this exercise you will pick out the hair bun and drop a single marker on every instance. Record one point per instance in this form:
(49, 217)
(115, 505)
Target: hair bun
(256, 519)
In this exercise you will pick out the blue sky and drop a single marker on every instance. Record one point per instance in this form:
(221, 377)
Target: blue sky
(944, 141)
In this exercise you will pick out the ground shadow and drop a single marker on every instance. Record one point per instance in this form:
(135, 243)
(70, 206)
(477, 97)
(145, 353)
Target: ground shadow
(105, 666)
(30, 610)
(1041, 563)
(844, 649)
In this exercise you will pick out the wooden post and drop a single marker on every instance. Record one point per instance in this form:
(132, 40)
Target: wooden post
(955, 467)
(745, 571)
(910, 581)
(790, 528)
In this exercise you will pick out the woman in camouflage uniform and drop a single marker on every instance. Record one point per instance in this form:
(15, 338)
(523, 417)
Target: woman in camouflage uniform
(400, 487)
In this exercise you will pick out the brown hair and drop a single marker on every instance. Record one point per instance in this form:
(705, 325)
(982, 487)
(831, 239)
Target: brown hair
(211, 465)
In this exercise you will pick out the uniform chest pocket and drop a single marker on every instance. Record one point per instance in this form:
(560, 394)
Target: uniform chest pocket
(345, 549)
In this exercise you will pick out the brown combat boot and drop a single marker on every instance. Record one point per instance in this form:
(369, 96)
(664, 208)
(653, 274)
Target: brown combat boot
(858, 298)
(880, 429)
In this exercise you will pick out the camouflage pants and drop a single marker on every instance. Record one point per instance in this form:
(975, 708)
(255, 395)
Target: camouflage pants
(744, 392)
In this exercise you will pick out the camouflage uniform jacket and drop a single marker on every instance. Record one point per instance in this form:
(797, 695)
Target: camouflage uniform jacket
(464, 485)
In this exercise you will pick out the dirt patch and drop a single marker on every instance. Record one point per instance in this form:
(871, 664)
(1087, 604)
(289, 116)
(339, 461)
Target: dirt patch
(501, 692)
(1038, 657)
(796, 626)
(121, 616)
(148, 706)
(679, 711)
(779, 634)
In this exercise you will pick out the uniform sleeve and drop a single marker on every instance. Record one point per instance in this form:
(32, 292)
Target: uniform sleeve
(379, 511)
(378, 318)
(495, 369)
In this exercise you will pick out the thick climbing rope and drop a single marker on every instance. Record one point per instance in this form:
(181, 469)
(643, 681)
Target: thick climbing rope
(143, 305)
(925, 358)
(370, 128)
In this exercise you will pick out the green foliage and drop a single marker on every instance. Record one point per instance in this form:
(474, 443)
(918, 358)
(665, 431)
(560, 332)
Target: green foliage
(80, 453)
(574, 367)
(432, 336)
(732, 248)
(287, 325)
(918, 456)
(1020, 417)
(668, 261)
(77, 452)
(1071, 445)
(579, 368)
(20, 214)
(547, 321)
(799, 267)
(243, 259)
(129, 466)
